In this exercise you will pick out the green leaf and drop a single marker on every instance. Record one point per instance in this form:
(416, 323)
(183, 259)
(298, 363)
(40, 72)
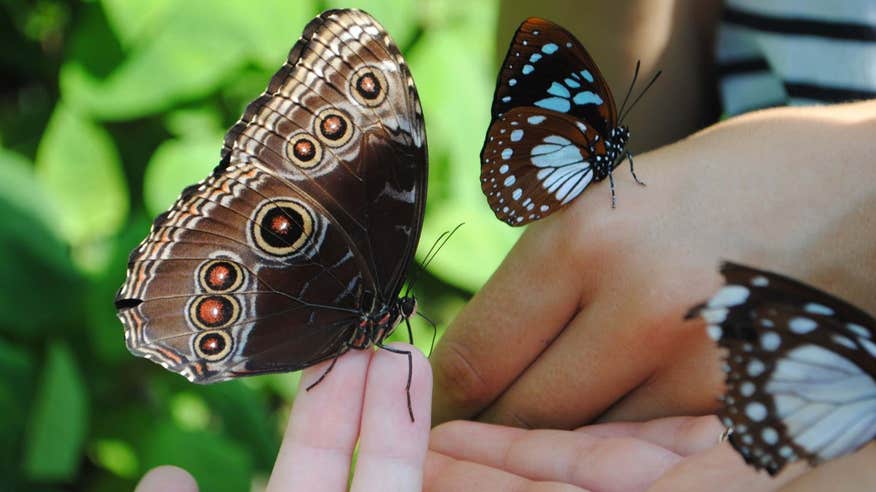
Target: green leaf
(16, 388)
(175, 165)
(20, 188)
(57, 427)
(455, 91)
(181, 51)
(271, 29)
(195, 49)
(32, 254)
(246, 418)
(79, 166)
(217, 464)
(116, 456)
(133, 21)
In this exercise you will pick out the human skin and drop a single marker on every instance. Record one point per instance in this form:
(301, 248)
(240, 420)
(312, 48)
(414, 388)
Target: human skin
(583, 321)
(363, 399)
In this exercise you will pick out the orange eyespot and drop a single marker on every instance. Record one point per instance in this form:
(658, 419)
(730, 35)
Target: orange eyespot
(213, 346)
(220, 276)
(368, 86)
(303, 150)
(333, 128)
(282, 227)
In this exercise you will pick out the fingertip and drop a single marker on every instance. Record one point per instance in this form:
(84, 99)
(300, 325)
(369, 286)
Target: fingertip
(388, 377)
(167, 478)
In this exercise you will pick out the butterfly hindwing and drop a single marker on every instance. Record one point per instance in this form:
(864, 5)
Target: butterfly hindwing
(800, 369)
(309, 221)
(546, 67)
(534, 162)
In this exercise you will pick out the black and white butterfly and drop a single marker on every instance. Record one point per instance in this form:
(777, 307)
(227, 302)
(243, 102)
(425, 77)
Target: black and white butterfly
(800, 369)
(555, 127)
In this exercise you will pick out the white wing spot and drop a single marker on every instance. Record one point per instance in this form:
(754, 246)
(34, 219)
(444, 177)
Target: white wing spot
(756, 411)
(714, 316)
(770, 341)
(714, 332)
(731, 295)
(769, 436)
(755, 368)
(844, 341)
(746, 389)
(815, 308)
(858, 330)
(801, 326)
(760, 281)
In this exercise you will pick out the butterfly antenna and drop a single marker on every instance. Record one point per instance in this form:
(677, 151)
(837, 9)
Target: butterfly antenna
(630, 88)
(421, 267)
(430, 255)
(653, 79)
(434, 331)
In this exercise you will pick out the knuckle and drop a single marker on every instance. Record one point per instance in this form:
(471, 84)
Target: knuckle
(457, 376)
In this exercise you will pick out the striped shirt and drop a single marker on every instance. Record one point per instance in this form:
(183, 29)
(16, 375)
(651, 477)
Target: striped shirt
(796, 52)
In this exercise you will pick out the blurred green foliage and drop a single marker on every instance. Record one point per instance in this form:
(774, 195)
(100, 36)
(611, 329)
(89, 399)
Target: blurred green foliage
(107, 110)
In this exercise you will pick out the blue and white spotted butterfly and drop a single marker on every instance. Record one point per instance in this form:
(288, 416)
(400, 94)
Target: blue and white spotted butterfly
(800, 369)
(555, 126)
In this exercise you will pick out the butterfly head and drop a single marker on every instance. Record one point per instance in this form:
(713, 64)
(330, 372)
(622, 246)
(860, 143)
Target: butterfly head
(619, 136)
(407, 306)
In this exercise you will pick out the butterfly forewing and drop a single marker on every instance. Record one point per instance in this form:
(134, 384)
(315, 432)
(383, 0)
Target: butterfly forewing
(309, 222)
(534, 162)
(800, 369)
(546, 67)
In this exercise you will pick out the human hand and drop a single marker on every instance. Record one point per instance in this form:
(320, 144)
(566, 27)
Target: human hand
(362, 398)
(583, 320)
(679, 453)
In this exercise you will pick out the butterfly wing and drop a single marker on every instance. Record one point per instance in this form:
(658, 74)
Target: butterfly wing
(314, 211)
(534, 162)
(547, 67)
(799, 371)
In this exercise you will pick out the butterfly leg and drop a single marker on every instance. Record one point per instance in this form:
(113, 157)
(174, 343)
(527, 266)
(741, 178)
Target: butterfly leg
(410, 373)
(611, 185)
(410, 331)
(331, 366)
(633, 171)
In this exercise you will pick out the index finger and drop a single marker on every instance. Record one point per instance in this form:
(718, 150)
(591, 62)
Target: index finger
(392, 449)
(508, 323)
(323, 427)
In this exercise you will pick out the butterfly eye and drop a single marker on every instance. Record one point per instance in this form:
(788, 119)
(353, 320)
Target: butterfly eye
(213, 346)
(281, 227)
(214, 311)
(368, 86)
(304, 150)
(220, 276)
(333, 128)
